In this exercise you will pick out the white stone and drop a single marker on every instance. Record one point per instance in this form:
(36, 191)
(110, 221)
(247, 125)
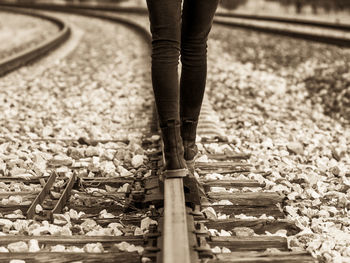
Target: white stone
(15, 199)
(58, 248)
(216, 250)
(224, 233)
(137, 160)
(33, 245)
(94, 248)
(210, 213)
(138, 231)
(61, 160)
(17, 261)
(4, 250)
(38, 209)
(123, 172)
(217, 189)
(92, 151)
(19, 246)
(47, 131)
(225, 250)
(6, 224)
(146, 222)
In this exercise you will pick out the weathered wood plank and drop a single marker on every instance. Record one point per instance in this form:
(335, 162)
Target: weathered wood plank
(216, 139)
(10, 208)
(105, 221)
(73, 240)
(64, 196)
(102, 181)
(217, 165)
(203, 125)
(258, 225)
(229, 156)
(233, 183)
(256, 243)
(243, 170)
(65, 257)
(31, 180)
(256, 211)
(41, 196)
(152, 182)
(30, 195)
(260, 257)
(84, 195)
(248, 198)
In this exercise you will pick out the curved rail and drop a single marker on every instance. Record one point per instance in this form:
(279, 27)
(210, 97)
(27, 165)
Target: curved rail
(17, 60)
(304, 22)
(306, 35)
(70, 6)
(310, 34)
(87, 11)
(222, 18)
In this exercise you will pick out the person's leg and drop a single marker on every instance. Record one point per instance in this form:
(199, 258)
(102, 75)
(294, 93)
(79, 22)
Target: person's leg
(165, 19)
(197, 18)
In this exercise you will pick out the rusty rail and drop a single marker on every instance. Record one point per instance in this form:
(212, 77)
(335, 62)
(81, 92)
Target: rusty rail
(41, 196)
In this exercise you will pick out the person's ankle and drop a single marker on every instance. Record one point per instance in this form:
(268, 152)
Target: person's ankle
(173, 146)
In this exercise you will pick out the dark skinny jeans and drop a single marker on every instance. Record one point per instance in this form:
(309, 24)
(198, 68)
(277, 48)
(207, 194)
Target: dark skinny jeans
(175, 33)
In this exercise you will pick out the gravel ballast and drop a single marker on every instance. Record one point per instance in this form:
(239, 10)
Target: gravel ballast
(259, 87)
(53, 118)
(99, 91)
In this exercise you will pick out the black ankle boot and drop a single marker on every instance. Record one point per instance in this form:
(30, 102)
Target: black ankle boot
(188, 134)
(173, 148)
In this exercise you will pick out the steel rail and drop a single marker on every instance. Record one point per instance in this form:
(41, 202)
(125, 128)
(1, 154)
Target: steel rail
(327, 39)
(175, 232)
(297, 21)
(17, 60)
(71, 6)
(175, 229)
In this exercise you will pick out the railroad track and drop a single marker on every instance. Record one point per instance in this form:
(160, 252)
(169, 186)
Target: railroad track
(317, 31)
(238, 212)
